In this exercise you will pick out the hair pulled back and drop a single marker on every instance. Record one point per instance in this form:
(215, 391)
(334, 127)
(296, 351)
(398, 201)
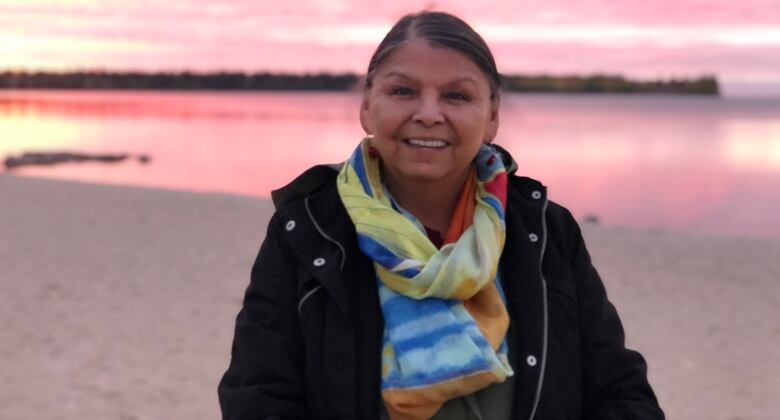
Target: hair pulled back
(441, 30)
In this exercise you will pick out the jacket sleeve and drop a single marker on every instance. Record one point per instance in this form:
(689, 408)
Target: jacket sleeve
(264, 379)
(614, 377)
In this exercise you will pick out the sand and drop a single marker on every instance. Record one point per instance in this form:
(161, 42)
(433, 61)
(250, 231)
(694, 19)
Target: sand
(119, 303)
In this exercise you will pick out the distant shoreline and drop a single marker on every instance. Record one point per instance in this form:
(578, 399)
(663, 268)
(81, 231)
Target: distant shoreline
(95, 80)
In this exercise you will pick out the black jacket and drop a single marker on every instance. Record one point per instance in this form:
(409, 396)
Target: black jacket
(308, 338)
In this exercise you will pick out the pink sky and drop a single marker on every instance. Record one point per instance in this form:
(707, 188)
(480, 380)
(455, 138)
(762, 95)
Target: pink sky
(736, 40)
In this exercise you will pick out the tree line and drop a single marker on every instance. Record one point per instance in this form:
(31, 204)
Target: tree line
(176, 81)
(706, 85)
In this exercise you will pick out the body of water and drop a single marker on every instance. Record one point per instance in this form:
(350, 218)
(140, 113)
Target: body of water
(667, 162)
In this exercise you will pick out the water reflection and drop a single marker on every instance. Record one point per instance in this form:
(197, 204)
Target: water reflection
(752, 145)
(658, 162)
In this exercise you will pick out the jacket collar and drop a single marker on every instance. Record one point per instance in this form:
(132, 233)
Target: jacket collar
(305, 184)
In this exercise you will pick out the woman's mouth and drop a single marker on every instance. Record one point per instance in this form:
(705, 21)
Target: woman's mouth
(430, 143)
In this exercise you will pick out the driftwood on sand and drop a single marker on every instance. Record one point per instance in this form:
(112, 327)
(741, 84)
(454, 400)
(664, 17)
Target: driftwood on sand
(52, 158)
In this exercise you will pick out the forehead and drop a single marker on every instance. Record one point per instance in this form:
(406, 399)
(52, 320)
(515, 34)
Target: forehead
(420, 60)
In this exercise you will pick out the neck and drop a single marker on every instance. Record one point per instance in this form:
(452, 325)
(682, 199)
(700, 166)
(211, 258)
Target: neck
(432, 203)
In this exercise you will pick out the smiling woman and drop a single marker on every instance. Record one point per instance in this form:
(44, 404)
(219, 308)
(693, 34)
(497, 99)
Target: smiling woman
(423, 278)
(428, 110)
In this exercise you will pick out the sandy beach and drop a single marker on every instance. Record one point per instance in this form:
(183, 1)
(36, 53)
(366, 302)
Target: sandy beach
(119, 303)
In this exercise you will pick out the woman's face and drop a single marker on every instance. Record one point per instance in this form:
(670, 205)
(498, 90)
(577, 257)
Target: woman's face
(429, 110)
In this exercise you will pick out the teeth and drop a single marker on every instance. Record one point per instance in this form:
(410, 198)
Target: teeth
(426, 143)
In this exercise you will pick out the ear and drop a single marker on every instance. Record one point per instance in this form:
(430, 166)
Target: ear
(492, 127)
(365, 117)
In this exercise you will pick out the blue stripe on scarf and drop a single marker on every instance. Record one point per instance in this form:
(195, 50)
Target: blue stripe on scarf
(410, 310)
(360, 170)
(383, 256)
(496, 204)
(426, 340)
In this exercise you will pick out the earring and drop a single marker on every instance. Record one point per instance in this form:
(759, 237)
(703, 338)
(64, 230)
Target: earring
(372, 152)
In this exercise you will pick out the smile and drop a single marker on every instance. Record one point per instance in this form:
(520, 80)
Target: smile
(432, 143)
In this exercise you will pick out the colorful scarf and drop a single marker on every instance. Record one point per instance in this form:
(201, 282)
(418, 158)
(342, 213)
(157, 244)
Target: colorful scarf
(445, 317)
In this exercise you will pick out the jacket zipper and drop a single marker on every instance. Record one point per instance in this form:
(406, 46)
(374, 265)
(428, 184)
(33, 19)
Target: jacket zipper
(311, 292)
(544, 308)
(325, 235)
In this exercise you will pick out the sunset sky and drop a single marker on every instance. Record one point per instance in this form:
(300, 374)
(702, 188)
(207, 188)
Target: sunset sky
(736, 40)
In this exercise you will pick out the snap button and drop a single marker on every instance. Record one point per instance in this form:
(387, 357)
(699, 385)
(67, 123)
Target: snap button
(290, 225)
(531, 360)
(533, 237)
(536, 195)
(319, 262)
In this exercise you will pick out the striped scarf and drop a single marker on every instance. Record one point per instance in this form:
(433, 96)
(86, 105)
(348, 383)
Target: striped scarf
(445, 317)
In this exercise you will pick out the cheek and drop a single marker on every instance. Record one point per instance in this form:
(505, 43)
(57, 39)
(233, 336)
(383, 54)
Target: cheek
(386, 113)
(468, 132)
(474, 126)
(385, 146)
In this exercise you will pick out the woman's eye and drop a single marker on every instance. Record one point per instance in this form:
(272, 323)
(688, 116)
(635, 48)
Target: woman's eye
(402, 91)
(457, 96)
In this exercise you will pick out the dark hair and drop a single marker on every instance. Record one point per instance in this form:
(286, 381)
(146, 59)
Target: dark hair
(442, 30)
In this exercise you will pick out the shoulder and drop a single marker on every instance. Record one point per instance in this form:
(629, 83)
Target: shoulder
(308, 189)
(310, 210)
(305, 184)
(528, 198)
(528, 194)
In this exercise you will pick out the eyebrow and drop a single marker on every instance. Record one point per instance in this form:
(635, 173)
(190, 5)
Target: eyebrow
(452, 82)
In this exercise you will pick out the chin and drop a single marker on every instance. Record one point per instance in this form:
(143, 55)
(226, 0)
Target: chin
(425, 176)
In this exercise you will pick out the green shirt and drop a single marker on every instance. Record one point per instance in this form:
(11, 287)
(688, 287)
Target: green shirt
(491, 403)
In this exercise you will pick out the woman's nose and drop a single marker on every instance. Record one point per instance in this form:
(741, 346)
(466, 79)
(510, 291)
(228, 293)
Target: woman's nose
(428, 111)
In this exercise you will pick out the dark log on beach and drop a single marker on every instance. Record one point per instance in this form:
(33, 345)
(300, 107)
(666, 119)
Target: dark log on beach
(38, 158)
(591, 219)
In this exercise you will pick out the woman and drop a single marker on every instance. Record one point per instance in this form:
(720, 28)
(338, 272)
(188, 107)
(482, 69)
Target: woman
(423, 278)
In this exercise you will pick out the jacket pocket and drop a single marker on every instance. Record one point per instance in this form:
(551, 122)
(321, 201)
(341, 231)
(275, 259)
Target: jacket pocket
(560, 284)
(308, 294)
(311, 299)
(562, 298)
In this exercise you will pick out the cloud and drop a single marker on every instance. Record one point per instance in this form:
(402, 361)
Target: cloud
(738, 39)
